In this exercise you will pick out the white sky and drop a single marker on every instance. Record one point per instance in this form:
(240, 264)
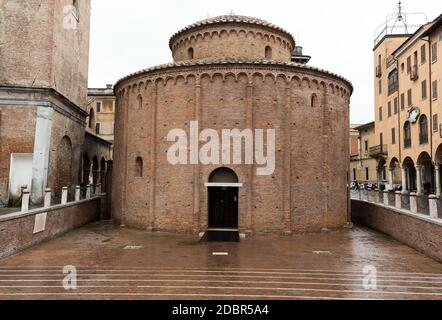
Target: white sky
(130, 35)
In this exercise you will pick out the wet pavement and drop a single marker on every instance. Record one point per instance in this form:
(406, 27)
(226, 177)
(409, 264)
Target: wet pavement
(115, 263)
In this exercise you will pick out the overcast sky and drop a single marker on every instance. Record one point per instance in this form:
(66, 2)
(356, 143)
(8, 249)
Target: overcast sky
(130, 35)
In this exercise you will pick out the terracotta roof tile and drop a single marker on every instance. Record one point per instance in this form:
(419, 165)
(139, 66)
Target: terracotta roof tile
(231, 19)
(214, 62)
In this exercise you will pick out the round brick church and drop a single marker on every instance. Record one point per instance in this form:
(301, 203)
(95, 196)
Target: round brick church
(244, 75)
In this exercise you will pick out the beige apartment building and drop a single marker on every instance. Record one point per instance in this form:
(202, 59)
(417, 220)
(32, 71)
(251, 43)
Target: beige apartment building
(362, 166)
(408, 131)
(101, 109)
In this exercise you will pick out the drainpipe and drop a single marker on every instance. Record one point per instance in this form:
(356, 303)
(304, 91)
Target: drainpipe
(430, 97)
(399, 129)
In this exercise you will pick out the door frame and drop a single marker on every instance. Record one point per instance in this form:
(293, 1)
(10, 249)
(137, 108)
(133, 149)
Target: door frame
(222, 185)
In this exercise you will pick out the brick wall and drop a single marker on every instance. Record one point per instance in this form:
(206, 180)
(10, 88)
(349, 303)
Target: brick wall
(232, 41)
(418, 232)
(311, 157)
(41, 52)
(16, 230)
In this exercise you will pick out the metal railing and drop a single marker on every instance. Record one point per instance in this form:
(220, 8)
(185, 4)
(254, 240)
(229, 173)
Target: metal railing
(377, 151)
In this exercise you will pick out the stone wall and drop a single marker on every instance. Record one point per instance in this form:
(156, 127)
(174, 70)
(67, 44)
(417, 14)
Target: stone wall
(417, 231)
(16, 230)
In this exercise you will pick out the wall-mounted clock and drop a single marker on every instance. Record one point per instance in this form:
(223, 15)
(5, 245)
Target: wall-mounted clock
(413, 114)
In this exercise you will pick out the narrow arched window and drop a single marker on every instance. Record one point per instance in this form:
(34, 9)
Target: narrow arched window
(190, 53)
(140, 102)
(407, 135)
(268, 53)
(314, 101)
(139, 167)
(423, 130)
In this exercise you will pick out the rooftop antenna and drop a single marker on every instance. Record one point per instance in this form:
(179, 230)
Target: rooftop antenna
(400, 18)
(398, 23)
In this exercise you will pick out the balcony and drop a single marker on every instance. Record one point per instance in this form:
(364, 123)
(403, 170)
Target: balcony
(414, 74)
(378, 71)
(407, 143)
(380, 151)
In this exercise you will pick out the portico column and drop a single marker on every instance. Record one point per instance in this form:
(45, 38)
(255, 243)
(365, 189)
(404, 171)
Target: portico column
(42, 147)
(390, 179)
(419, 180)
(404, 180)
(379, 173)
(437, 180)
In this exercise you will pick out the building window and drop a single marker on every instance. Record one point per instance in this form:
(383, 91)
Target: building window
(392, 82)
(393, 136)
(380, 86)
(423, 54)
(91, 119)
(407, 135)
(424, 89)
(366, 146)
(190, 53)
(97, 128)
(423, 130)
(410, 97)
(389, 109)
(408, 65)
(268, 53)
(354, 174)
(98, 107)
(380, 113)
(139, 167)
(314, 101)
(435, 123)
(367, 174)
(434, 52)
(396, 106)
(434, 90)
(140, 101)
(402, 67)
(381, 140)
(402, 101)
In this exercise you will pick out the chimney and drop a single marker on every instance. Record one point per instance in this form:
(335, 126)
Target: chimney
(109, 86)
(298, 57)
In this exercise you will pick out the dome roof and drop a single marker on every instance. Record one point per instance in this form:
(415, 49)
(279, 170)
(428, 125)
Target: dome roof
(231, 18)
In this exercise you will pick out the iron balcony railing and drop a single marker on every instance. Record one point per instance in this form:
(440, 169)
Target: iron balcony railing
(407, 143)
(392, 88)
(379, 151)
